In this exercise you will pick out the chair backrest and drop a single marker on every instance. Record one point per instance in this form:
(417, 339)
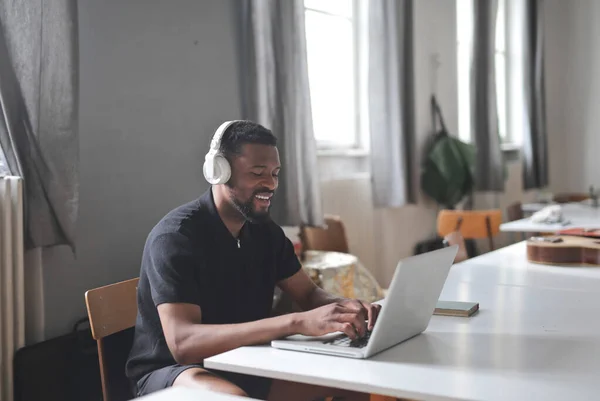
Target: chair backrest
(332, 237)
(515, 211)
(570, 197)
(472, 224)
(112, 311)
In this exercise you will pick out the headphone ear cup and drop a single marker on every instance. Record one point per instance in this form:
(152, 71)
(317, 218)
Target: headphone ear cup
(208, 169)
(216, 169)
(222, 169)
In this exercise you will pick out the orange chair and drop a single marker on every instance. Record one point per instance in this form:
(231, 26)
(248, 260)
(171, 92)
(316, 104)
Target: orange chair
(472, 224)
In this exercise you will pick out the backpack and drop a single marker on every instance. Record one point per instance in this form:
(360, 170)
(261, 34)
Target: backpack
(448, 168)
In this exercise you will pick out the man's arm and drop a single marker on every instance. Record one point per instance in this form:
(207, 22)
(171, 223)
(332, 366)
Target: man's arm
(306, 293)
(309, 296)
(190, 341)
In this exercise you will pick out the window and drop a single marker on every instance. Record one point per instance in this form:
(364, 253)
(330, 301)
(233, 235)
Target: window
(464, 12)
(3, 165)
(332, 32)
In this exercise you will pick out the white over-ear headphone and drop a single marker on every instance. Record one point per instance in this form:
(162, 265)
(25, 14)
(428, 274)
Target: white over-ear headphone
(216, 167)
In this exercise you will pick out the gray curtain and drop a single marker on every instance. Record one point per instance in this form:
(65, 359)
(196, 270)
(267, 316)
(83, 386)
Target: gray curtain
(489, 165)
(535, 142)
(38, 123)
(275, 93)
(391, 101)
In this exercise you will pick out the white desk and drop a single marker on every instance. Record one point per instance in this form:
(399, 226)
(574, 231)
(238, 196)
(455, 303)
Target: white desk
(534, 338)
(510, 267)
(579, 215)
(188, 394)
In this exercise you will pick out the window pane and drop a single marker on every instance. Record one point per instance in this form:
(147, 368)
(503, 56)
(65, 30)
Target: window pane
(336, 7)
(464, 20)
(501, 93)
(464, 95)
(464, 26)
(500, 27)
(331, 78)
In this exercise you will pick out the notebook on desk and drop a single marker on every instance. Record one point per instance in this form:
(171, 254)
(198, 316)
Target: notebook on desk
(456, 308)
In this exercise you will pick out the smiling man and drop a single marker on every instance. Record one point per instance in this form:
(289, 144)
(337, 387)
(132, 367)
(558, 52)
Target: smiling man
(209, 269)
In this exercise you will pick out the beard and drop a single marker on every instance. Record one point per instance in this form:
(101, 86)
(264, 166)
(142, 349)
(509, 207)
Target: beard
(247, 210)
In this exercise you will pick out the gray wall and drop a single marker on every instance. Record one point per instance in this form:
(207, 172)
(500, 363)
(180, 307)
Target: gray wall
(573, 93)
(157, 77)
(582, 98)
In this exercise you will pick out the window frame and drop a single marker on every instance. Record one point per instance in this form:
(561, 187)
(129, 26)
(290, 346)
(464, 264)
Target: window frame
(358, 144)
(508, 139)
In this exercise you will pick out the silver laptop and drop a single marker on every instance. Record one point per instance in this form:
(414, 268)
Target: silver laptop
(405, 313)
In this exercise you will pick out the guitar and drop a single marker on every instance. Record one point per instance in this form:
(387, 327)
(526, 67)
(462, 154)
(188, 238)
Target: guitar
(581, 232)
(564, 250)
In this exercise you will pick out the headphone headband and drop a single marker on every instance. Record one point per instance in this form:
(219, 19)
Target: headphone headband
(215, 144)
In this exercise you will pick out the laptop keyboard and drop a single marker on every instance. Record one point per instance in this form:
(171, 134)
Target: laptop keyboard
(345, 341)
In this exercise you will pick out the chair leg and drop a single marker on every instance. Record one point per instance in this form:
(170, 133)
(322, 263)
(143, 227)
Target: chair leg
(488, 225)
(376, 397)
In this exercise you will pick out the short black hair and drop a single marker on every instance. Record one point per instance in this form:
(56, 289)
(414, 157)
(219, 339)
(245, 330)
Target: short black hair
(242, 132)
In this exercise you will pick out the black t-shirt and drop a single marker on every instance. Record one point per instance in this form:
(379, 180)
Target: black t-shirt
(191, 257)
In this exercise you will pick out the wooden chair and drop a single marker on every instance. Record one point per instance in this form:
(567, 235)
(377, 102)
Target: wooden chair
(570, 197)
(112, 311)
(472, 224)
(514, 211)
(332, 237)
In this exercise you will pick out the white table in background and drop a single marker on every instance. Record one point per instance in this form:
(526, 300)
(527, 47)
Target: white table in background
(189, 394)
(536, 336)
(534, 206)
(580, 215)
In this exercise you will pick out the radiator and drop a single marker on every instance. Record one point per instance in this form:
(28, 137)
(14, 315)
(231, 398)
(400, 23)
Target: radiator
(12, 291)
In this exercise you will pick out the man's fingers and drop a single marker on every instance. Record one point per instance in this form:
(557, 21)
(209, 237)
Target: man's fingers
(376, 310)
(349, 317)
(360, 325)
(372, 315)
(348, 329)
(356, 320)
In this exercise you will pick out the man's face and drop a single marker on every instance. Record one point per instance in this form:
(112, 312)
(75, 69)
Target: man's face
(254, 179)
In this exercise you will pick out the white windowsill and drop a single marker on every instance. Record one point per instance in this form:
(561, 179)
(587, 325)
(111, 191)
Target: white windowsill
(510, 147)
(349, 152)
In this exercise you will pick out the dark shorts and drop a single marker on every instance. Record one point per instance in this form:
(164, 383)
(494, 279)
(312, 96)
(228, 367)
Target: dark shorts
(255, 387)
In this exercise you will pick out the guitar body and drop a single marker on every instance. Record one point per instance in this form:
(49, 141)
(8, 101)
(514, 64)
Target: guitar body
(564, 250)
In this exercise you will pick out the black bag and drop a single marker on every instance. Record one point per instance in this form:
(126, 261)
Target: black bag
(447, 171)
(63, 368)
(432, 244)
(428, 245)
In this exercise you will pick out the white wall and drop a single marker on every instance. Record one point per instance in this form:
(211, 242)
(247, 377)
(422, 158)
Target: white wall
(580, 101)
(156, 79)
(556, 29)
(573, 93)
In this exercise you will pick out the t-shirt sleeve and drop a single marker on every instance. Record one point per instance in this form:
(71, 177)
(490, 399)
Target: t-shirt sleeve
(287, 262)
(170, 268)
